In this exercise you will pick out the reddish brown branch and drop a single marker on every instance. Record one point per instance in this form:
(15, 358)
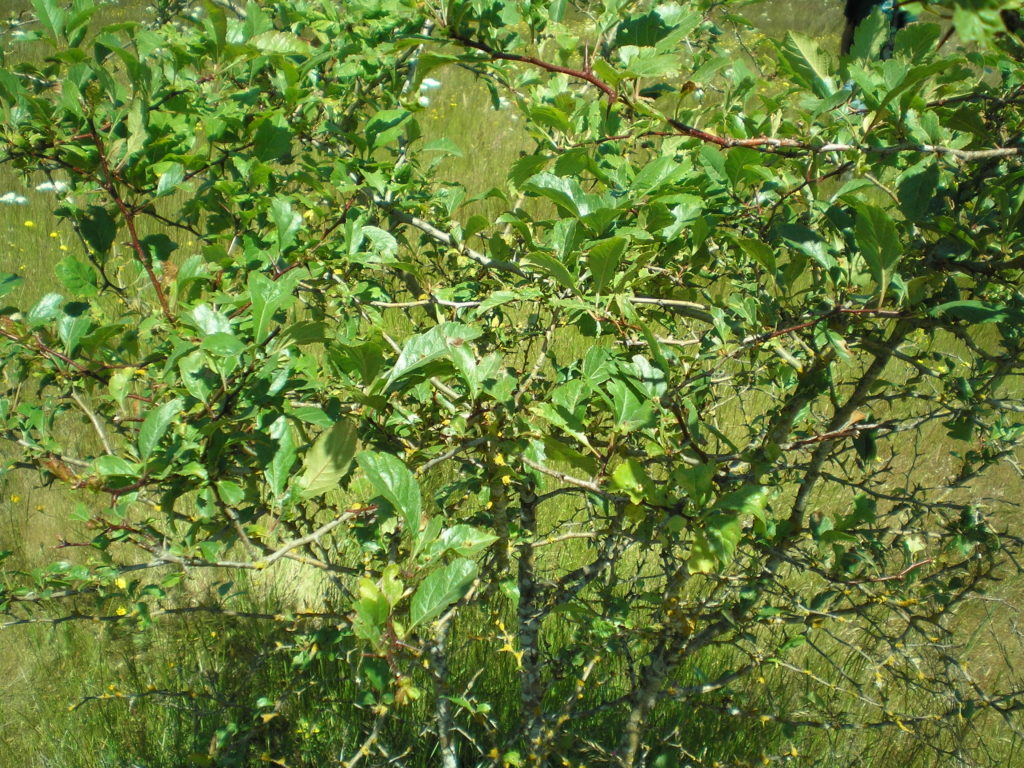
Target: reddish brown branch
(129, 218)
(579, 74)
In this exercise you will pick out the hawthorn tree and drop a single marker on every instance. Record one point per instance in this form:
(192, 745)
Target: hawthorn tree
(708, 407)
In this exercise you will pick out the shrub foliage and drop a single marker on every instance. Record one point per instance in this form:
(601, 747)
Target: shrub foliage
(691, 412)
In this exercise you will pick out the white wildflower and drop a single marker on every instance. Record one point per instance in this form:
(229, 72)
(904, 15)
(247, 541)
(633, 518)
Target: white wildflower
(503, 102)
(424, 101)
(429, 83)
(13, 198)
(52, 186)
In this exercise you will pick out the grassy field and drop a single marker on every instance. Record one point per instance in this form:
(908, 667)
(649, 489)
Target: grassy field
(68, 694)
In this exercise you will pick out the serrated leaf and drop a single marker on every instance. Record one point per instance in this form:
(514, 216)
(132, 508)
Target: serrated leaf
(170, 179)
(916, 187)
(443, 145)
(155, 426)
(603, 260)
(286, 221)
(463, 540)
(71, 329)
(878, 241)
(329, 459)
(222, 345)
(77, 277)
(280, 467)
(393, 480)
(44, 310)
(440, 589)
(267, 297)
(760, 252)
(723, 533)
(975, 312)
(748, 499)
(630, 410)
(526, 167)
(51, 16)
(810, 64)
(552, 267)
(870, 35)
(552, 117)
(655, 174)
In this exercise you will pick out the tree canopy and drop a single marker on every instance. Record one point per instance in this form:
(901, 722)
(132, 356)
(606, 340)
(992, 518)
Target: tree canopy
(702, 398)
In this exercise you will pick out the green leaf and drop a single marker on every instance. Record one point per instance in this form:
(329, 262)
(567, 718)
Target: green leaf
(98, 228)
(386, 126)
(810, 65)
(916, 188)
(655, 174)
(50, 16)
(870, 35)
(603, 260)
(440, 589)
(158, 247)
(170, 179)
(8, 282)
(878, 241)
(647, 62)
(383, 241)
(975, 312)
(463, 540)
(702, 559)
(272, 139)
(760, 252)
(524, 168)
(443, 145)
(418, 353)
(155, 426)
(426, 63)
(371, 617)
(267, 297)
(556, 10)
(222, 345)
(329, 459)
(286, 221)
(630, 410)
(44, 310)
(393, 480)
(280, 467)
(391, 584)
(723, 533)
(118, 385)
(71, 329)
(749, 499)
(552, 117)
(552, 267)
(304, 332)
(115, 466)
(230, 492)
(563, 192)
(631, 477)
(77, 277)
